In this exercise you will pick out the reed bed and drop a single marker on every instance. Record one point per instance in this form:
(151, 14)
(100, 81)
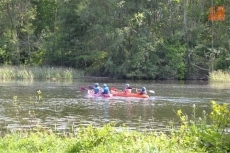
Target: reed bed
(219, 76)
(27, 72)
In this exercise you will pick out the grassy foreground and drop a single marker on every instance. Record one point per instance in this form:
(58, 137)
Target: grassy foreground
(35, 72)
(194, 135)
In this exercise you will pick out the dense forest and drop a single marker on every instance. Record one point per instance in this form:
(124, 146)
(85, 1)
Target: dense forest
(136, 39)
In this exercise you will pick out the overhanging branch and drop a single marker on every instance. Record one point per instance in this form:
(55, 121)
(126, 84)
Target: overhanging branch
(200, 67)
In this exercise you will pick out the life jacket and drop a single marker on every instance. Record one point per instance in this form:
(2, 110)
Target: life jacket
(96, 90)
(105, 90)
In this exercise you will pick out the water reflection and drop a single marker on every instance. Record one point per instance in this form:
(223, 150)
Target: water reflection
(220, 85)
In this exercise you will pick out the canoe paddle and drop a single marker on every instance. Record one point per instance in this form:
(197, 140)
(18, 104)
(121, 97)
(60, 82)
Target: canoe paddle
(84, 88)
(151, 91)
(113, 88)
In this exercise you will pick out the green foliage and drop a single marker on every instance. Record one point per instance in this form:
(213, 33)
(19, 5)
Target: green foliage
(132, 39)
(92, 139)
(40, 141)
(213, 136)
(97, 61)
(220, 116)
(45, 16)
(18, 31)
(170, 61)
(223, 60)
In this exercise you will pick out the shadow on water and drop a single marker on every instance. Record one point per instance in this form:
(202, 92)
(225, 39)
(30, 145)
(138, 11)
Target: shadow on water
(64, 107)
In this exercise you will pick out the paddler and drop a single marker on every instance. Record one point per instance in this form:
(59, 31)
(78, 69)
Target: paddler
(96, 88)
(143, 91)
(127, 89)
(105, 89)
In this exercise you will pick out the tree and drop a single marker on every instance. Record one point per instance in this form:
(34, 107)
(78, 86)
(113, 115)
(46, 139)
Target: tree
(17, 30)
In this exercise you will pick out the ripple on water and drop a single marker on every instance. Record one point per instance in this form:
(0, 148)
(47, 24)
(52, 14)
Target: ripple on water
(63, 107)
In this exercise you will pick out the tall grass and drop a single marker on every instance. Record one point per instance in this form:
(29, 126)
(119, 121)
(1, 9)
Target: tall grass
(219, 76)
(35, 72)
(35, 142)
(95, 140)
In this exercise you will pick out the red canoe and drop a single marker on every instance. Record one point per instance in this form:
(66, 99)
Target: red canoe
(123, 94)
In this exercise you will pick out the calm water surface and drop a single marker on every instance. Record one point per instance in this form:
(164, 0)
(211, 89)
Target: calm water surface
(63, 106)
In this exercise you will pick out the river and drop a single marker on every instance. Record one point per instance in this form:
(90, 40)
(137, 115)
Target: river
(63, 106)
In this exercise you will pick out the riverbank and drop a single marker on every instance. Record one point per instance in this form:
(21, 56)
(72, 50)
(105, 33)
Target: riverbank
(193, 135)
(36, 72)
(63, 73)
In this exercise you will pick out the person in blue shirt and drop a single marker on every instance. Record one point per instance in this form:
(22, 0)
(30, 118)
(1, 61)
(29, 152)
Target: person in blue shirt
(105, 89)
(96, 88)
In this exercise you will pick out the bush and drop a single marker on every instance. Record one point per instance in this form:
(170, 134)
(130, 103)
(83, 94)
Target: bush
(213, 137)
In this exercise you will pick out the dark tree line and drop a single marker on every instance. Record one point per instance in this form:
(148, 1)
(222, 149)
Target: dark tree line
(139, 39)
